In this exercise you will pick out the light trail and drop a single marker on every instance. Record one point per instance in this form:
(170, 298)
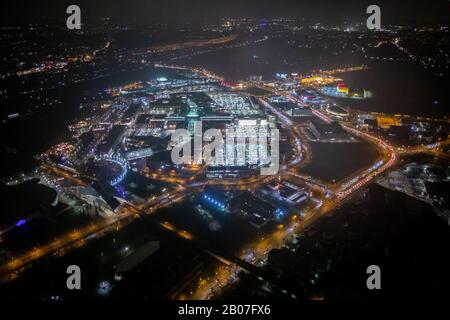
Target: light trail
(279, 237)
(259, 248)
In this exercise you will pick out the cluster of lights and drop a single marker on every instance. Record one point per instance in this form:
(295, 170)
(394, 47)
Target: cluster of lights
(117, 159)
(281, 116)
(21, 222)
(380, 168)
(214, 201)
(234, 104)
(322, 116)
(279, 213)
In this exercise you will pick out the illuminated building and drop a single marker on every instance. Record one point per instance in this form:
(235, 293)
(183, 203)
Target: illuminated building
(309, 96)
(342, 88)
(139, 153)
(288, 192)
(246, 143)
(367, 94)
(386, 121)
(318, 80)
(301, 112)
(257, 210)
(366, 121)
(215, 199)
(337, 111)
(254, 78)
(234, 104)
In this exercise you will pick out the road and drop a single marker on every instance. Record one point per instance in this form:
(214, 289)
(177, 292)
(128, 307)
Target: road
(226, 275)
(77, 238)
(255, 252)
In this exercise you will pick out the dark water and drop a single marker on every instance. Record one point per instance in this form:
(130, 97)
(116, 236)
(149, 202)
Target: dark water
(400, 88)
(266, 58)
(336, 161)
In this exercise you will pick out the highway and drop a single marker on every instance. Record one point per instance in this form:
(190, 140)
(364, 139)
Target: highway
(228, 274)
(77, 238)
(252, 255)
(435, 149)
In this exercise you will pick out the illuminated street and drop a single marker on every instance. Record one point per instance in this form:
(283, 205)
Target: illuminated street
(224, 151)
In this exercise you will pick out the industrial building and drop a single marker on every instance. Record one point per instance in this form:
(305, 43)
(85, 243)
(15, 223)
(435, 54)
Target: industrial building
(327, 131)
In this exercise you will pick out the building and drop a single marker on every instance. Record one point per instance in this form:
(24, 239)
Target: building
(337, 111)
(290, 192)
(23, 202)
(387, 121)
(113, 139)
(342, 88)
(138, 153)
(234, 104)
(301, 112)
(137, 257)
(366, 122)
(241, 172)
(255, 78)
(131, 114)
(85, 145)
(258, 211)
(327, 131)
(246, 143)
(215, 198)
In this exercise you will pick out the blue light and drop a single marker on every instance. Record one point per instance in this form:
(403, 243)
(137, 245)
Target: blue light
(21, 222)
(213, 201)
(279, 212)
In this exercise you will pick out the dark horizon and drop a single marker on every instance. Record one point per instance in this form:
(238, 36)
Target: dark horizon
(200, 11)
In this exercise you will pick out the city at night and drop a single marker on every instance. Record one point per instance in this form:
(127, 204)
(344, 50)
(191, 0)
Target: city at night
(225, 158)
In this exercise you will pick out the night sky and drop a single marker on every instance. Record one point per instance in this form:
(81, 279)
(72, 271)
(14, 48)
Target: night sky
(141, 11)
